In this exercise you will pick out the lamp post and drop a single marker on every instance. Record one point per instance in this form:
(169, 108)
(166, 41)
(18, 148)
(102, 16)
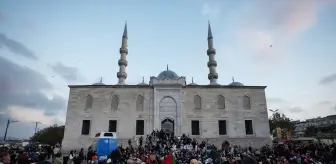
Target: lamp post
(36, 124)
(7, 126)
(273, 115)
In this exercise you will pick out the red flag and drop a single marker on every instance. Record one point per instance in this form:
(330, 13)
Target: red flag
(148, 159)
(169, 159)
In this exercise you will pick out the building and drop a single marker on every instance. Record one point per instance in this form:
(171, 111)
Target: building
(231, 112)
(319, 122)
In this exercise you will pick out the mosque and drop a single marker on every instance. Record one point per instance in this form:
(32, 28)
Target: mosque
(233, 112)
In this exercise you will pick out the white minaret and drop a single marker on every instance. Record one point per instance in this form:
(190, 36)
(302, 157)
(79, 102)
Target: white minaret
(122, 75)
(212, 64)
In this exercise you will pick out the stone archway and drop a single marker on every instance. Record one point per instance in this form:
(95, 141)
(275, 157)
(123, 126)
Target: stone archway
(167, 125)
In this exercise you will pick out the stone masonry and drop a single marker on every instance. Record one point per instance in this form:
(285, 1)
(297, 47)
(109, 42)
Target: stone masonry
(126, 115)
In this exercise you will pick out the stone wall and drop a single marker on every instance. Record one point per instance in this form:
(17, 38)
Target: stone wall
(101, 113)
(234, 114)
(126, 115)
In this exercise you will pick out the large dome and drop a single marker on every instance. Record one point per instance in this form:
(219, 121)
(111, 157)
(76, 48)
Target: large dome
(168, 74)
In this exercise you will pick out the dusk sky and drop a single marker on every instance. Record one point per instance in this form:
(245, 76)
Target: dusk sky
(287, 45)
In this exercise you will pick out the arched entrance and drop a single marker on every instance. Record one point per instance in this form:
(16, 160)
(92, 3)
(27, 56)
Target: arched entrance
(167, 125)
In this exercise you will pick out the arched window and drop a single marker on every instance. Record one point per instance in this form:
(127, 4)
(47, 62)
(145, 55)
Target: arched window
(220, 102)
(115, 102)
(197, 102)
(88, 102)
(140, 103)
(246, 102)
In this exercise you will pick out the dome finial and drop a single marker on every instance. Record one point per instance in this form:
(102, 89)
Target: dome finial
(167, 67)
(232, 79)
(143, 79)
(101, 79)
(192, 79)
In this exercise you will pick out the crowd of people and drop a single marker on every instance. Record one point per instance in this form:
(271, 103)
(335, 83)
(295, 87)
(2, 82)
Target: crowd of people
(162, 148)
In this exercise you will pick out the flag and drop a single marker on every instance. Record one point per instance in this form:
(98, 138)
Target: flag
(169, 159)
(148, 159)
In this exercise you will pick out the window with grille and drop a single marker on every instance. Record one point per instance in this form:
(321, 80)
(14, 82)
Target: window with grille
(140, 103)
(220, 102)
(197, 102)
(246, 102)
(88, 102)
(115, 102)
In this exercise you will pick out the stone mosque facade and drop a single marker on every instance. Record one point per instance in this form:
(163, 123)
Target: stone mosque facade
(233, 112)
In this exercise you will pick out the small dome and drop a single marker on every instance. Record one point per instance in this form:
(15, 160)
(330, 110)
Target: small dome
(192, 82)
(235, 83)
(143, 82)
(168, 74)
(98, 84)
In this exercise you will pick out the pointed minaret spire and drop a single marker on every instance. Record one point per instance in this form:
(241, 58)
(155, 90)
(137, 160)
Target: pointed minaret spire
(122, 75)
(212, 64)
(125, 31)
(209, 31)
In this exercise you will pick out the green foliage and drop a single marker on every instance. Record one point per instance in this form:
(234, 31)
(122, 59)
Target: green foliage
(50, 135)
(311, 131)
(280, 120)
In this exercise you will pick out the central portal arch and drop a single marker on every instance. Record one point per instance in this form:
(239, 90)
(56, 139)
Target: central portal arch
(167, 125)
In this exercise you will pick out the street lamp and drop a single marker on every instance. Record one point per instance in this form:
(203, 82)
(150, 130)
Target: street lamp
(8, 123)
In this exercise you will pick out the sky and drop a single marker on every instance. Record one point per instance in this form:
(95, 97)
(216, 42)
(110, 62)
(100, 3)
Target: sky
(287, 45)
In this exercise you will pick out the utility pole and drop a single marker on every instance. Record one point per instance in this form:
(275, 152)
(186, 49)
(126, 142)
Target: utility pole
(7, 126)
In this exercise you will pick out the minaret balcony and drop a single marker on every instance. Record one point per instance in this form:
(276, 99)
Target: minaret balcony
(122, 62)
(122, 75)
(123, 50)
(211, 51)
(212, 64)
(212, 76)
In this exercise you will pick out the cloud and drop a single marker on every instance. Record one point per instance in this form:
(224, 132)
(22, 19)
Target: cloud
(284, 20)
(328, 79)
(324, 103)
(277, 100)
(22, 86)
(23, 97)
(210, 10)
(16, 47)
(67, 72)
(295, 109)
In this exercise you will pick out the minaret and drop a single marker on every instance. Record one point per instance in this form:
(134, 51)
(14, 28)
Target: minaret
(122, 75)
(212, 64)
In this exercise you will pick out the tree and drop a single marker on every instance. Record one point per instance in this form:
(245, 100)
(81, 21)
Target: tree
(311, 131)
(50, 135)
(280, 120)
